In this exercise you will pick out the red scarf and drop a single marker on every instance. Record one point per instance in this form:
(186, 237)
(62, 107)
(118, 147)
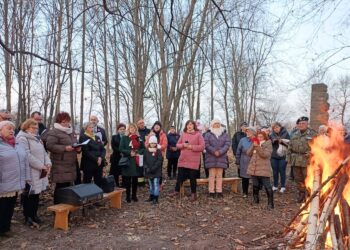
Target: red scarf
(11, 141)
(135, 143)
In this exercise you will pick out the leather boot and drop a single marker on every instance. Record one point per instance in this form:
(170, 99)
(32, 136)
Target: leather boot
(256, 194)
(269, 193)
(193, 197)
(301, 197)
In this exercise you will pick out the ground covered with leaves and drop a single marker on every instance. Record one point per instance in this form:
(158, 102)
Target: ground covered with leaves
(176, 223)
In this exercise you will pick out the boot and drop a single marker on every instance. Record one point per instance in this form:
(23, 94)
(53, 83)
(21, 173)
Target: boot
(150, 198)
(256, 194)
(269, 193)
(155, 200)
(212, 195)
(128, 199)
(193, 197)
(219, 195)
(301, 197)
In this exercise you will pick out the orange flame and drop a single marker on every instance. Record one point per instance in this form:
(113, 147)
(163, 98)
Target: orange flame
(327, 153)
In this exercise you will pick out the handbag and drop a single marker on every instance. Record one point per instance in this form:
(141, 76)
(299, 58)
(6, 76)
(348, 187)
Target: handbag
(124, 162)
(282, 150)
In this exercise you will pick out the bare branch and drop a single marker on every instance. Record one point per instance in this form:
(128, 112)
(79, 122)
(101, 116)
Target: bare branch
(14, 52)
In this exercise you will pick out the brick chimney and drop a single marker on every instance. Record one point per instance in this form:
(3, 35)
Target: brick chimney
(319, 106)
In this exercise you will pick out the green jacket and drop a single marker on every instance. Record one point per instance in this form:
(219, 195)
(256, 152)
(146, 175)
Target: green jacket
(125, 149)
(299, 148)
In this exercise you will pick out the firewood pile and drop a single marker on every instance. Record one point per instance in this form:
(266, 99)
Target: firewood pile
(323, 221)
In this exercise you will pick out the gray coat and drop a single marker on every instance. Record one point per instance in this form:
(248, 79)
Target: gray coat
(242, 157)
(212, 144)
(14, 168)
(38, 158)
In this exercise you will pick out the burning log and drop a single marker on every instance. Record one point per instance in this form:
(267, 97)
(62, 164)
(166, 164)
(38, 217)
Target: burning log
(319, 226)
(333, 232)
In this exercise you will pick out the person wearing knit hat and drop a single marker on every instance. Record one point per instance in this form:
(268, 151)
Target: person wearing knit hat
(153, 161)
(115, 170)
(217, 144)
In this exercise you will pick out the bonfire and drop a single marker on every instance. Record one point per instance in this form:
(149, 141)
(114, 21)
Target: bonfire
(323, 221)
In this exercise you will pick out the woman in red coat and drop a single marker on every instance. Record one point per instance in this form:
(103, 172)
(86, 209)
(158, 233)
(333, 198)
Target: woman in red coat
(191, 144)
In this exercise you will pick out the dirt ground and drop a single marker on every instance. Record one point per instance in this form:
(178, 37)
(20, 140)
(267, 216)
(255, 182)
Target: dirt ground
(229, 223)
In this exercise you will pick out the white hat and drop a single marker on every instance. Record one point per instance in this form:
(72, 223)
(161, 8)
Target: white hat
(153, 139)
(215, 121)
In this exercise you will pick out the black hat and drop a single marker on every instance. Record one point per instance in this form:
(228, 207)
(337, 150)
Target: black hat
(172, 126)
(302, 119)
(244, 124)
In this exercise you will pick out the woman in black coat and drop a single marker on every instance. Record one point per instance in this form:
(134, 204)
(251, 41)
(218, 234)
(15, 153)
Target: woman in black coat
(93, 156)
(115, 170)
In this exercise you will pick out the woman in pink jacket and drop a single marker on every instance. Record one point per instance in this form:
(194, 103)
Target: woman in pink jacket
(191, 144)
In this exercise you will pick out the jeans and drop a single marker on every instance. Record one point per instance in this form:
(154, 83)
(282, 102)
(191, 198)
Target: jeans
(279, 171)
(215, 180)
(153, 186)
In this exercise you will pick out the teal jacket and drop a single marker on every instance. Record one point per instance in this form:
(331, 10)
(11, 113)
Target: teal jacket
(125, 149)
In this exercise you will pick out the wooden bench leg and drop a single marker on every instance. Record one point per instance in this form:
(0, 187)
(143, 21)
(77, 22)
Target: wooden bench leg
(61, 220)
(234, 187)
(116, 201)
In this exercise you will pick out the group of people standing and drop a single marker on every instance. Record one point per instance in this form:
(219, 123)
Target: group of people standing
(28, 158)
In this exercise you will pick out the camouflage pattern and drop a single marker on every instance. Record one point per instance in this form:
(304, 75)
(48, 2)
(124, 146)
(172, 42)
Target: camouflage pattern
(299, 148)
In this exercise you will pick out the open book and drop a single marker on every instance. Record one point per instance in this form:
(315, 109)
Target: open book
(75, 145)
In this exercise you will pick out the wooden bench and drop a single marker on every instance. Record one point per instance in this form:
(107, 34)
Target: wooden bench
(62, 210)
(233, 181)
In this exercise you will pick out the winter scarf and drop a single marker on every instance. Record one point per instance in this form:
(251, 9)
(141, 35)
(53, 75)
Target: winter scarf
(11, 141)
(63, 129)
(135, 143)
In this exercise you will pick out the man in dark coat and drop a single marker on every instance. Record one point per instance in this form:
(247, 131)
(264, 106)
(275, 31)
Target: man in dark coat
(99, 131)
(36, 115)
(115, 170)
(238, 136)
(143, 130)
(172, 153)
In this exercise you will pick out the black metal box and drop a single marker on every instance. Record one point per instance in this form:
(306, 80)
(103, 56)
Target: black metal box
(80, 194)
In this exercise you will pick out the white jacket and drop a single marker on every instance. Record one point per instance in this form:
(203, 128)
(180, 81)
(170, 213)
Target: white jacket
(38, 158)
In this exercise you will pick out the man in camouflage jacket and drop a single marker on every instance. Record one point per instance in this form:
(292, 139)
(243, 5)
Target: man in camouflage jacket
(299, 153)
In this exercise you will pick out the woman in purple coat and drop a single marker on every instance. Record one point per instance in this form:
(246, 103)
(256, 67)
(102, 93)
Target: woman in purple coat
(217, 143)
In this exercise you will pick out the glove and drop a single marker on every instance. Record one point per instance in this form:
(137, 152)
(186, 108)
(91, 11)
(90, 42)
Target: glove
(159, 146)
